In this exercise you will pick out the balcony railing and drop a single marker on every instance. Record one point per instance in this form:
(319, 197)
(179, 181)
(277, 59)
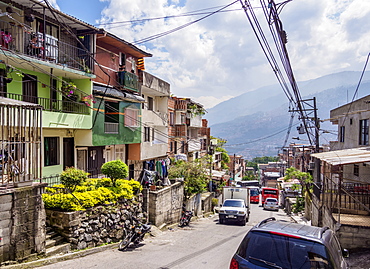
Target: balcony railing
(65, 106)
(128, 80)
(181, 105)
(54, 50)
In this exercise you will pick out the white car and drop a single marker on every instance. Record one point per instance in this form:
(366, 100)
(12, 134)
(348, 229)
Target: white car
(271, 204)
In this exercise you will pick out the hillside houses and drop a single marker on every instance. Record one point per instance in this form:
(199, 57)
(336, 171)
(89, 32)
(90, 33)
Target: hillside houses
(77, 96)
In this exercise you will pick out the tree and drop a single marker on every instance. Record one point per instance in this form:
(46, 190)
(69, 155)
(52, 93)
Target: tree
(115, 170)
(72, 177)
(265, 159)
(304, 178)
(194, 174)
(250, 176)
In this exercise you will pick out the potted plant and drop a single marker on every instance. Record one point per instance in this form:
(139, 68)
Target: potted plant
(69, 90)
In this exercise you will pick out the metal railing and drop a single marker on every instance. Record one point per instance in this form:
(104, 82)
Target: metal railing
(347, 198)
(50, 180)
(15, 39)
(54, 105)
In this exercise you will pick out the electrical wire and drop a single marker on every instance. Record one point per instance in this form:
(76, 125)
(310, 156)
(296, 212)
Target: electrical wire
(150, 38)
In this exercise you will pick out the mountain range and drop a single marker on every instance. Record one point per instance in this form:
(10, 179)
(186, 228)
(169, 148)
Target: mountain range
(257, 122)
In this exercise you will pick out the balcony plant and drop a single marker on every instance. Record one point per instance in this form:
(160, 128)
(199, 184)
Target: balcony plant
(196, 110)
(69, 89)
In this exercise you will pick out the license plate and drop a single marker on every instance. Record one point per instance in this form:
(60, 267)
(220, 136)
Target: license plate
(230, 216)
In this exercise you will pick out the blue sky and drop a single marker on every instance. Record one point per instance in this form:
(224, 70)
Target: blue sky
(87, 10)
(219, 57)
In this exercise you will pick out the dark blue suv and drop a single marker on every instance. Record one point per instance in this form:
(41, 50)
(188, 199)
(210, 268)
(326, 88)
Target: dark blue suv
(282, 244)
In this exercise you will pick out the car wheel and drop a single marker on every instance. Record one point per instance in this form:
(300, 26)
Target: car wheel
(244, 222)
(221, 221)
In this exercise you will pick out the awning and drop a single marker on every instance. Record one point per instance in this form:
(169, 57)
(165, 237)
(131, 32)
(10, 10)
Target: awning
(112, 92)
(13, 102)
(346, 156)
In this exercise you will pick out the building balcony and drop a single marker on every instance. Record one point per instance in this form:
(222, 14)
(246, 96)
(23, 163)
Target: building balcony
(181, 105)
(63, 106)
(152, 85)
(128, 80)
(53, 51)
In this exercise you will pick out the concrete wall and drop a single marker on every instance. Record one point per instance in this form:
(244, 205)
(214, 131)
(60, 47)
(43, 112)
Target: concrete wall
(22, 223)
(207, 201)
(165, 205)
(352, 237)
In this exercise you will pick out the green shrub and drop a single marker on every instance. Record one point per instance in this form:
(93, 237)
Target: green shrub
(72, 177)
(91, 193)
(299, 205)
(115, 170)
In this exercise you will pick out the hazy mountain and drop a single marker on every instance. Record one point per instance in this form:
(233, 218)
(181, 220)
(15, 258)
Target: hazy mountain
(271, 97)
(263, 130)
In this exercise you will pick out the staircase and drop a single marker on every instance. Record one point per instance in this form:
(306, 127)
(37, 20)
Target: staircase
(55, 244)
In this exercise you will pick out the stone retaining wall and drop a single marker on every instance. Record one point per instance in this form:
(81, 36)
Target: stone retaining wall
(22, 223)
(96, 226)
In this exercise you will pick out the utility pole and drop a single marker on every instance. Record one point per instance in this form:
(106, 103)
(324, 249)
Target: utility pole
(234, 168)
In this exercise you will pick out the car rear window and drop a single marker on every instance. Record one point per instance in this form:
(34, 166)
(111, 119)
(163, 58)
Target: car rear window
(233, 203)
(274, 251)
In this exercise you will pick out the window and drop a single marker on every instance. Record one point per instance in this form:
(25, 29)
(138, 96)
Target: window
(150, 103)
(51, 150)
(132, 117)
(364, 132)
(341, 133)
(182, 146)
(172, 119)
(183, 119)
(29, 88)
(146, 134)
(356, 170)
(122, 59)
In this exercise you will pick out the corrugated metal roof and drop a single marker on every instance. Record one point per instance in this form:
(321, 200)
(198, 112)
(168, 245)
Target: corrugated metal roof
(12, 102)
(346, 156)
(111, 92)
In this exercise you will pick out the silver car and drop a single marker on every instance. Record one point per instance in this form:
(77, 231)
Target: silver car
(271, 204)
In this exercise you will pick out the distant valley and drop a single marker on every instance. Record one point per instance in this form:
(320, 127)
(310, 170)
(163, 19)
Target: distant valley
(256, 123)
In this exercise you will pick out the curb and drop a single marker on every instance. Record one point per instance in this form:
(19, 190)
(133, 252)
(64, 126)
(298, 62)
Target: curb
(63, 257)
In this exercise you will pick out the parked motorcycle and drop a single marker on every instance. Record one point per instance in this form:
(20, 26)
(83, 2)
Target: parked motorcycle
(186, 216)
(135, 234)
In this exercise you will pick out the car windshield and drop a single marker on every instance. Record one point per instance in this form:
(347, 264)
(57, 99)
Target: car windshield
(271, 200)
(254, 192)
(233, 203)
(276, 251)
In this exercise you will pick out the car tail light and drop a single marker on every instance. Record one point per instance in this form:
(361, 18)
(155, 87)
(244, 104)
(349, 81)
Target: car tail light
(234, 264)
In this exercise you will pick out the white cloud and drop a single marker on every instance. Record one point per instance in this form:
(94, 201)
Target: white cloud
(219, 57)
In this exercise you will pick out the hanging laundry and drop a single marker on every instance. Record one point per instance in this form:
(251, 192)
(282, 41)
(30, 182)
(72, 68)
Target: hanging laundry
(148, 178)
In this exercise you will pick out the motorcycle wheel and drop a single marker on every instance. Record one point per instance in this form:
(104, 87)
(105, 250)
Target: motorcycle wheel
(125, 241)
(182, 222)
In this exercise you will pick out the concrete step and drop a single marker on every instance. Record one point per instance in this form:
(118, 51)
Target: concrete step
(59, 249)
(51, 234)
(54, 241)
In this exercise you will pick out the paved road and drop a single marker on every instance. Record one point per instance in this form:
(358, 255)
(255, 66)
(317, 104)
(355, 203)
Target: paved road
(204, 244)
